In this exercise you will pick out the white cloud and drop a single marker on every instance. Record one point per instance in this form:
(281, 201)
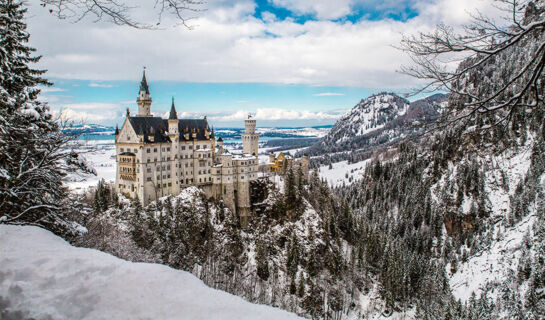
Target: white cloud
(92, 112)
(229, 45)
(79, 116)
(276, 114)
(100, 85)
(322, 9)
(51, 89)
(328, 94)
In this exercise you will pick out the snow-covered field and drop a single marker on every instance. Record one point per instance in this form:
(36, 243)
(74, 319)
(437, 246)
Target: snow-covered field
(342, 172)
(303, 132)
(43, 277)
(100, 155)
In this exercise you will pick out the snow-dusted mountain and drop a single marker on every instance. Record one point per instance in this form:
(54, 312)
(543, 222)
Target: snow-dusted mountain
(379, 120)
(367, 116)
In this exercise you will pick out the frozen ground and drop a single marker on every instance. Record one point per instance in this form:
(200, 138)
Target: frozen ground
(100, 155)
(303, 132)
(499, 261)
(342, 172)
(43, 277)
(492, 264)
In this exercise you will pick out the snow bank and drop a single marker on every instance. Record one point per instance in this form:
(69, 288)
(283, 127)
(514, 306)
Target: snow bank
(44, 277)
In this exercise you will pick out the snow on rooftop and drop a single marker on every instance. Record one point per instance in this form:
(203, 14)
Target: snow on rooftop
(243, 157)
(44, 277)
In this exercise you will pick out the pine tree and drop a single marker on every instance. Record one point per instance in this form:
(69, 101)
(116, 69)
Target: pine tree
(33, 159)
(262, 261)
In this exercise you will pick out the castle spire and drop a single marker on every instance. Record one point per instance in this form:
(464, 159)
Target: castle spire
(144, 84)
(173, 114)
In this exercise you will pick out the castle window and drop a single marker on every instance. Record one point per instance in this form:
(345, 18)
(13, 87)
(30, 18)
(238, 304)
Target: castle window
(154, 149)
(164, 185)
(190, 147)
(158, 178)
(200, 180)
(148, 160)
(168, 148)
(183, 147)
(148, 179)
(197, 147)
(170, 184)
(122, 149)
(147, 150)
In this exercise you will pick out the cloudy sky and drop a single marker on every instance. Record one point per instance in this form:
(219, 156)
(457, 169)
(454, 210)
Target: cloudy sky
(289, 62)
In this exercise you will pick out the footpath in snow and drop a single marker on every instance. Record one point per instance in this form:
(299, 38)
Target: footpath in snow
(44, 277)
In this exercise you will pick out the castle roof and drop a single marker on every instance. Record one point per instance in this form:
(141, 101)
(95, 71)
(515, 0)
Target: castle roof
(144, 84)
(173, 114)
(157, 127)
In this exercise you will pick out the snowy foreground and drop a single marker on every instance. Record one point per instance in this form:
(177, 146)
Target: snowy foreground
(44, 277)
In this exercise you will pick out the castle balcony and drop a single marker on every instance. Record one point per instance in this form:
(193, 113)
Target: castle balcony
(127, 166)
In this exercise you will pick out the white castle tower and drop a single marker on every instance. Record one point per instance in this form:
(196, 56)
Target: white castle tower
(144, 98)
(250, 139)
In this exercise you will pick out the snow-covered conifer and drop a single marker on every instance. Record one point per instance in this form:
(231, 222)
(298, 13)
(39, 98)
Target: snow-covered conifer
(33, 159)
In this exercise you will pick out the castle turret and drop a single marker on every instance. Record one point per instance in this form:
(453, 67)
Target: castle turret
(250, 139)
(174, 136)
(144, 98)
(173, 120)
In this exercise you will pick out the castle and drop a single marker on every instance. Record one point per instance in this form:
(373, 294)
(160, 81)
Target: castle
(157, 157)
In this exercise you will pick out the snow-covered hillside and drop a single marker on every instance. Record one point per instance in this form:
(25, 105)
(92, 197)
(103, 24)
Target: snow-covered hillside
(342, 173)
(43, 277)
(494, 264)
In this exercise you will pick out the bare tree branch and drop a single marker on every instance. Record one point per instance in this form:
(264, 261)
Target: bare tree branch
(119, 12)
(483, 82)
